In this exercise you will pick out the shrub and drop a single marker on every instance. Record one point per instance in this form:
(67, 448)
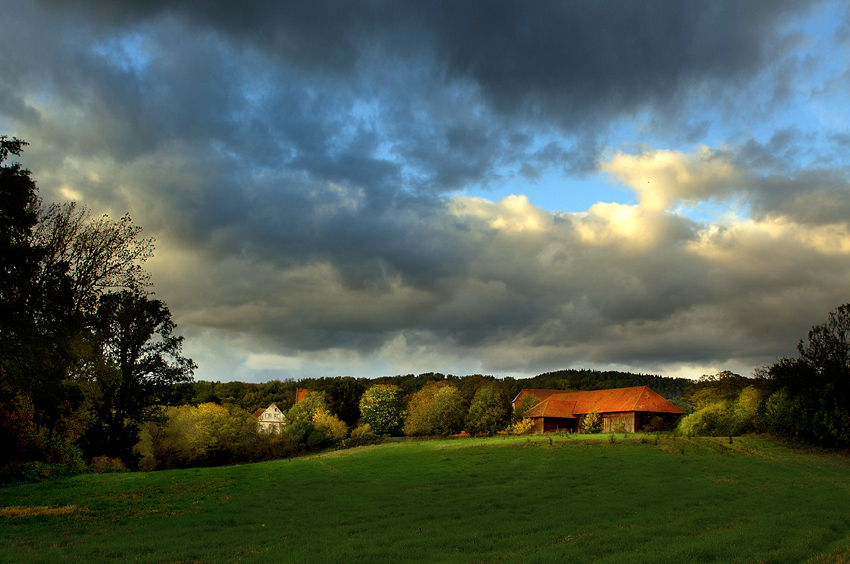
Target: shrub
(330, 425)
(785, 415)
(591, 422)
(362, 435)
(521, 427)
(208, 434)
(711, 420)
(104, 465)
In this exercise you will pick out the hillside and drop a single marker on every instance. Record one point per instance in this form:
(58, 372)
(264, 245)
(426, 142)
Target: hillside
(547, 499)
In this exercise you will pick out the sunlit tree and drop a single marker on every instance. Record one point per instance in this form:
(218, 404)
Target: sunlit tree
(382, 408)
(490, 410)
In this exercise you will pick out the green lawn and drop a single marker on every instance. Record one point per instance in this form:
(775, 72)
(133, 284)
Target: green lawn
(472, 500)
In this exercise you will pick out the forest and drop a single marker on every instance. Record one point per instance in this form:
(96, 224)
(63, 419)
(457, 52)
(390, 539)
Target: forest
(92, 374)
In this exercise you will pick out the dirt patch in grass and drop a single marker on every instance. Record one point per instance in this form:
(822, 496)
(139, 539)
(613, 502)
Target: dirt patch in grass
(38, 511)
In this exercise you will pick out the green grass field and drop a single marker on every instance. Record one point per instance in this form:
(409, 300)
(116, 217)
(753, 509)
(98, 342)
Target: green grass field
(472, 500)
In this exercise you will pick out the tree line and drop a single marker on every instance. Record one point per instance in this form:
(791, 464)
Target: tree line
(212, 433)
(216, 427)
(803, 398)
(87, 354)
(92, 372)
(345, 391)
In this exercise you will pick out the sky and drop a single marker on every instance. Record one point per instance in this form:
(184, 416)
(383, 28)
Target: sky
(507, 188)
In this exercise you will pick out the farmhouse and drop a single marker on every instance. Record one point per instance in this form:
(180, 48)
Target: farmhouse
(270, 419)
(622, 409)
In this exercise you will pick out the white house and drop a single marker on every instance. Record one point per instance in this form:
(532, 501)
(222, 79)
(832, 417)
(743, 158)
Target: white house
(270, 419)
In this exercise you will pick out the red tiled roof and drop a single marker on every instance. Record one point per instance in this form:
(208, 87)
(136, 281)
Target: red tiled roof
(539, 394)
(639, 398)
(552, 407)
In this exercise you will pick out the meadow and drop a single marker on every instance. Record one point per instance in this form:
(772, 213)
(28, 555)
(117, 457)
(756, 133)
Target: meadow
(558, 499)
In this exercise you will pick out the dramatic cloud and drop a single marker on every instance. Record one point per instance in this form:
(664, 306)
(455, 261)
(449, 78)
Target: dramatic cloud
(371, 188)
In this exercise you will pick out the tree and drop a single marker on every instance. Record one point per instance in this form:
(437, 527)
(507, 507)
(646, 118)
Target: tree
(300, 415)
(344, 395)
(18, 216)
(490, 410)
(382, 408)
(100, 254)
(436, 409)
(525, 403)
(331, 426)
(813, 390)
(139, 360)
(37, 324)
(827, 353)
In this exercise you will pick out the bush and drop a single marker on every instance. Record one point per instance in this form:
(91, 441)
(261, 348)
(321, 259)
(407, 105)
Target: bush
(317, 440)
(362, 435)
(710, 421)
(521, 427)
(591, 422)
(330, 425)
(104, 465)
(208, 434)
(785, 415)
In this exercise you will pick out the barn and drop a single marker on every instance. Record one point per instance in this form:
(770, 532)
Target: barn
(622, 409)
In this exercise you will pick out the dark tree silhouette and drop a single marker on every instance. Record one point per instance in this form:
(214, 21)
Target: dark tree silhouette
(140, 361)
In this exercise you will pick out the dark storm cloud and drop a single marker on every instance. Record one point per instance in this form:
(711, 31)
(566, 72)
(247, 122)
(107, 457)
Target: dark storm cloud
(571, 65)
(295, 158)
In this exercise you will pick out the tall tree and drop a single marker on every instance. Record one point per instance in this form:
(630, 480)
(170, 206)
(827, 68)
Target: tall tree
(18, 260)
(36, 314)
(344, 397)
(139, 362)
(812, 392)
(490, 410)
(827, 352)
(100, 254)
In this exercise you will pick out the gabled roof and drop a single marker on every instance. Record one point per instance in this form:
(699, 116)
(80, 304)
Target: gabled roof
(573, 404)
(552, 407)
(539, 394)
(262, 410)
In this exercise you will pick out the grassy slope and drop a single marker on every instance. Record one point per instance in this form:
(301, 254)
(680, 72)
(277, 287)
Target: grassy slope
(496, 500)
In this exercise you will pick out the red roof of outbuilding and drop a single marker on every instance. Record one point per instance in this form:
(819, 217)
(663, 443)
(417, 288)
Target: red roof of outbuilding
(572, 404)
(552, 407)
(300, 394)
(539, 394)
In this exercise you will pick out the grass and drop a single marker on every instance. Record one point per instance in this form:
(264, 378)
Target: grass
(469, 501)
